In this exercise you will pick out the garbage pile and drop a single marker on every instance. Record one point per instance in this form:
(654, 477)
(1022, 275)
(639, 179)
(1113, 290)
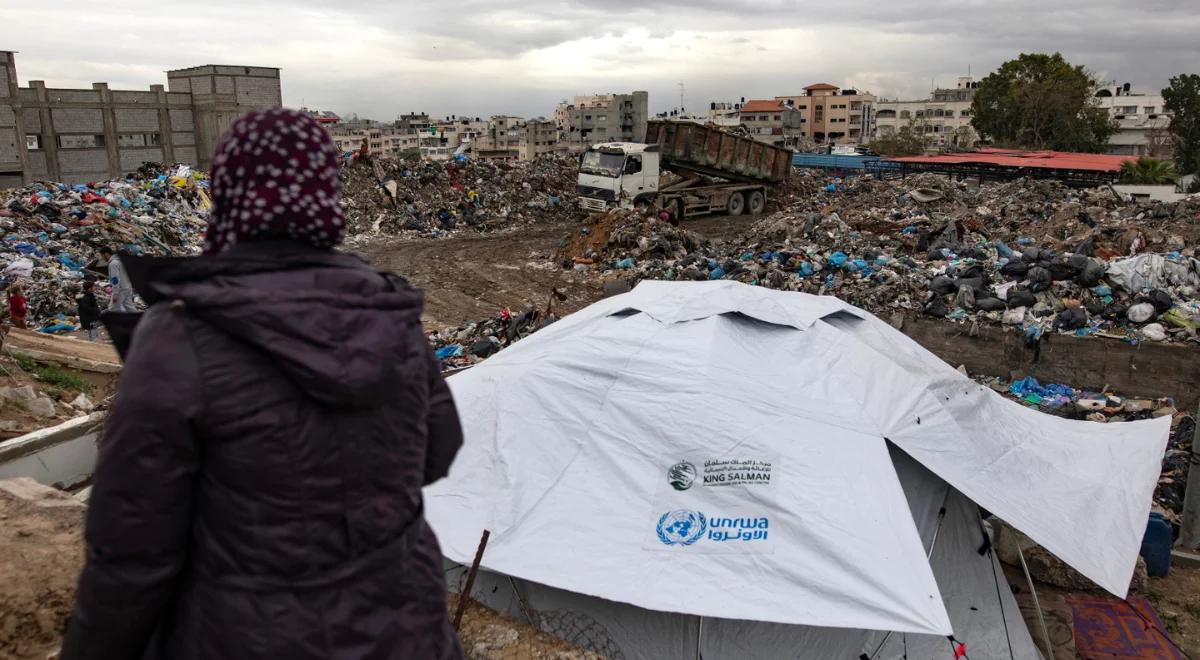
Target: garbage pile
(436, 198)
(470, 343)
(1032, 255)
(51, 231)
(630, 235)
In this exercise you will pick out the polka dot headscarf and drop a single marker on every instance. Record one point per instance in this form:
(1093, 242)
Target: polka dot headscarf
(275, 175)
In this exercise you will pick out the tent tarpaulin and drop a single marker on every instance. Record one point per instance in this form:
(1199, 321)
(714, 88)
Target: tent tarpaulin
(719, 449)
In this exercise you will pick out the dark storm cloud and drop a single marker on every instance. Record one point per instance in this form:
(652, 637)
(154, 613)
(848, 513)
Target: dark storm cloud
(379, 57)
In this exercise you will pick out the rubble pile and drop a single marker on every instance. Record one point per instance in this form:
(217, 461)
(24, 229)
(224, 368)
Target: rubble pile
(435, 198)
(628, 234)
(1032, 255)
(51, 230)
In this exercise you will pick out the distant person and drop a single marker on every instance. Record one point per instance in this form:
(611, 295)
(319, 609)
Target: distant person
(18, 307)
(258, 489)
(122, 288)
(89, 310)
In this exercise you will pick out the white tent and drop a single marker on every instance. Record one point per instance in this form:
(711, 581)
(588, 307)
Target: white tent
(713, 467)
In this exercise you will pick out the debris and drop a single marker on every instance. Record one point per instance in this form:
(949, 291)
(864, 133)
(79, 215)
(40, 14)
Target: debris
(50, 231)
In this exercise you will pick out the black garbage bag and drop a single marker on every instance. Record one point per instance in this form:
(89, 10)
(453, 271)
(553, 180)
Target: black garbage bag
(1096, 307)
(1039, 279)
(1020, 298)
(942, 285)
(1014, 270)
(936, 307)
(1063, 270)
(989, 304)
(1160, 299)
(1091, 273)
(1086, 247)
(1072, 319)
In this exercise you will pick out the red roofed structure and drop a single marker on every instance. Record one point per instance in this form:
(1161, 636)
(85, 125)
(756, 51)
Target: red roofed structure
(819, 86)
(762, 106)
(1080, 169)
(1057, 160)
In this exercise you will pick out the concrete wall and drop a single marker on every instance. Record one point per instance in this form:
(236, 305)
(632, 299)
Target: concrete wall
(1148, 369)
(124, 128)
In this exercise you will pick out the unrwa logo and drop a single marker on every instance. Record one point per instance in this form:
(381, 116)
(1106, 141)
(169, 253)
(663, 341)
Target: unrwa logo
(681, 527)
(681, 475)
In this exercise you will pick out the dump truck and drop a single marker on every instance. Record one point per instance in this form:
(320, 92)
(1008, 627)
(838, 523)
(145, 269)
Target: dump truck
(717, 171)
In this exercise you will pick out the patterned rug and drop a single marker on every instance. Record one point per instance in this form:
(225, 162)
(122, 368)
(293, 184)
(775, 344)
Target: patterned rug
(1111, 629)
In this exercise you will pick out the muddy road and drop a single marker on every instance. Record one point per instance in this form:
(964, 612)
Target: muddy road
(471, 277)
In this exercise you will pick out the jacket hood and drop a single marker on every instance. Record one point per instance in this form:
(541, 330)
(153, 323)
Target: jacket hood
(338, 329)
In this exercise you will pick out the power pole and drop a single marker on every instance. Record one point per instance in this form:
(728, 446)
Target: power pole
(681, 89)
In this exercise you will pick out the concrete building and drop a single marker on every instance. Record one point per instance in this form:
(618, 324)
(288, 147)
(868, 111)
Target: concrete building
(724, 114)
(537, 136)
(501, 140)
(771, 121)
(832, 115)
(599, 118)
(1142, 120)
(81, 135)
(944, 118)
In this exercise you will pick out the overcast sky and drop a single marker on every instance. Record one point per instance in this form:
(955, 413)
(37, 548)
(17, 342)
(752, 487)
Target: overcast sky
(474, 57)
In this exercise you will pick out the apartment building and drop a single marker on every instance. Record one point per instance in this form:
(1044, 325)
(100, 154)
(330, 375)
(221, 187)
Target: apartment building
(725, 114)
(1142, 121)
(537, 136)
(81, 135)
(501, 139)
(771, 121)
(944, 118)
(589, 120)
(831, 115)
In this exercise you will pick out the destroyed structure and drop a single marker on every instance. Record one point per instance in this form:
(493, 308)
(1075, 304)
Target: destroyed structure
(81, 135)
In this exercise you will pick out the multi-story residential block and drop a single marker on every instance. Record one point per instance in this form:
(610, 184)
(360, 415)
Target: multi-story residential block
(81, 135)
(771, 121)
(944, 118)
(599, 118)
(1142, 121)
(537, 136)
(830, 115)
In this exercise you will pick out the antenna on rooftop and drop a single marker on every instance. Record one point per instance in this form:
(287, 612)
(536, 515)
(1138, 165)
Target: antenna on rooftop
(681, 89)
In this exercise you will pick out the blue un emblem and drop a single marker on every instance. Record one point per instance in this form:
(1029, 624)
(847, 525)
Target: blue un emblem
(681, 527)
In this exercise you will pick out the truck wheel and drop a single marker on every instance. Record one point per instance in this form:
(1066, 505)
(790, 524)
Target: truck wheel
(757, 202)
(736, 204)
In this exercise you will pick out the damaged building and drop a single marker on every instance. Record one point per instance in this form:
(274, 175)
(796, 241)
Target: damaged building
(81, 135)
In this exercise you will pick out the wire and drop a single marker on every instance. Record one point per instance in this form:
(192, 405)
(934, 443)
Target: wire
(1150, 625)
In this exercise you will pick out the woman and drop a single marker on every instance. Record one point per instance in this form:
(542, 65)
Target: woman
(258, 491)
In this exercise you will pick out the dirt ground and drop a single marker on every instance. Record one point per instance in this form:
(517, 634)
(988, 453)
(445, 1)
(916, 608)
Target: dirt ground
(42, 551)
(468, 278)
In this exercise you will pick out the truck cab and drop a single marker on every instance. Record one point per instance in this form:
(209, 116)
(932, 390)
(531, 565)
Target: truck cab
(618, 174)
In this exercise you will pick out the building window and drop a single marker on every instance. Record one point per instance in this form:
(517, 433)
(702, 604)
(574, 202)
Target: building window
(905, 114)
(965, 113)
(602, 118)
(139, 140)
(587, 117)
(33, 142)
(80, 141)
(777, 117)
(1149, 109)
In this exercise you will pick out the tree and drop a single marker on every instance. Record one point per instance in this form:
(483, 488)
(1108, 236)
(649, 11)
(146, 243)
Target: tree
(1041, 101)
(908, 141)
(1147, 171)
(1182, 98)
